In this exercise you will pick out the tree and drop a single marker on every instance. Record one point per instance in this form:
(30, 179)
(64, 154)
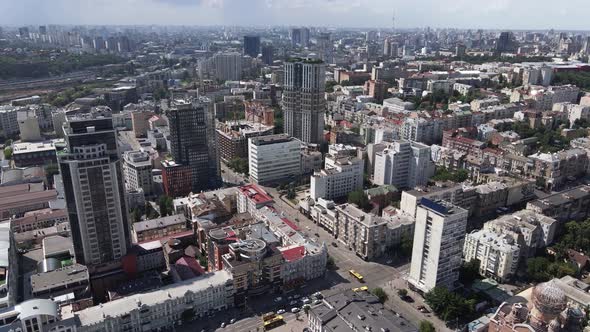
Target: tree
(443, 174)
(51, 170)
(359, 198)
(166, 206)
(469, 271)
(239, 165)
(426, 326)
(537, 269)
(448, 305)
(380, 293)
(7, 153)
(330, 263)
(406, 244)
(135, 215)
(291, 194)
(402, 292)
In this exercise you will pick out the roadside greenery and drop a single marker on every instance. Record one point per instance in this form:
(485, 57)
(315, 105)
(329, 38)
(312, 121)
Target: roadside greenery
(449, 305)
(542, 269)
(380, 293)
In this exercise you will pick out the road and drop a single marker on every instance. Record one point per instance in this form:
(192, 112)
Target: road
(375, 274)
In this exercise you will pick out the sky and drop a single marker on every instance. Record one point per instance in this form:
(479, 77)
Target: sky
(487, 14)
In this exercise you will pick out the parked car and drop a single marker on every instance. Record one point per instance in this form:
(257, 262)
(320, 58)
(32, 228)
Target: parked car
(306, 300)
(278, 299)
(334, 244)
(295, 310)
(293, 302)
(280, 311)
(222, 325)
(233, 320)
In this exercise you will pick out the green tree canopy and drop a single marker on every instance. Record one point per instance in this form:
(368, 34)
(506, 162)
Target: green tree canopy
(380, 293)
(359, 198)
(426, 326)
(448, 305)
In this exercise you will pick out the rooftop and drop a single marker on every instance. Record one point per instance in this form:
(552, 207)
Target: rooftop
(159, 223)
(62, 277)
(95, 314)
(26, 147)
(255, 193)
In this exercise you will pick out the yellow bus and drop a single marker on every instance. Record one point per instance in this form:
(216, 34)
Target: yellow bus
(357, 275)
(273, 322)
(268, 316)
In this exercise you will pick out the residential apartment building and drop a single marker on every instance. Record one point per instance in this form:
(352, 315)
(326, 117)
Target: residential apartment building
(8, 121)
(137, 170)
(567, 205)
(341, 176)
(498, 255)
(232, 138)
(367, 235)
(93, 183)
(404, 164)
(303, 99)
(529, 230)
(274, 158)
(153, 229)
(159, 309)
(438, 245)
(554, 169)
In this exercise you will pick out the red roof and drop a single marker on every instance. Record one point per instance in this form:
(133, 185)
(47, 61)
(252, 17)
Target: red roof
(293, 254)
(290, 223)
(253, 192)
(192, 264)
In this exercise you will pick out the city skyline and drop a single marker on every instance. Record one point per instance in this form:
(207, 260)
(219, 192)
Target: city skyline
(505, 14)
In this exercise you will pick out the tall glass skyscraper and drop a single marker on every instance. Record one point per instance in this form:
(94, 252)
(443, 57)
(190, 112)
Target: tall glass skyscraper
(193, 142)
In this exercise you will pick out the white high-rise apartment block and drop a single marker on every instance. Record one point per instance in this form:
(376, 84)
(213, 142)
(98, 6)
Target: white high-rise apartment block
(341, 176)
(404, 164)
(438, 245)
(274, 158)
(498, 255)
(137, 170)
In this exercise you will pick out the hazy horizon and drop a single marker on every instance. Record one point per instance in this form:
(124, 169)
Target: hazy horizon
(460, 14)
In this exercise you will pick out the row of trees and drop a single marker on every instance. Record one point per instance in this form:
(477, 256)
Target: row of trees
(239, 165)
(39, 66)
(580, 79)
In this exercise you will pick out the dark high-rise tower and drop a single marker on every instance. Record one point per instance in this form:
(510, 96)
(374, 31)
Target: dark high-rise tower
(267, 54)
(93, 188)
(303, 99)
(192, 141)
(504, 42)
(252, 46)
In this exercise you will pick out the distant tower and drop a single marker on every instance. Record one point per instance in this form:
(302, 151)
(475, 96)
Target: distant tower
(393, 21)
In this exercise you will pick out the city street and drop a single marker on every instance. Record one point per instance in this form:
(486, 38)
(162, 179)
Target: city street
(375, 274)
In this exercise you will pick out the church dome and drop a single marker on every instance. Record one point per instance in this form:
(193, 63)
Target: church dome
(549, 299)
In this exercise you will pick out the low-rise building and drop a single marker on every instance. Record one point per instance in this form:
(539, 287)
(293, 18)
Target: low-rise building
(176, 178)
(61, 281)
(159, 309)
(355, 311)
(367, 235)
(153, 229)
(530, 230)
(27, 154)
(571, 204)
(18, 199)
(498, 255)
(232, 138)
(341, 176)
